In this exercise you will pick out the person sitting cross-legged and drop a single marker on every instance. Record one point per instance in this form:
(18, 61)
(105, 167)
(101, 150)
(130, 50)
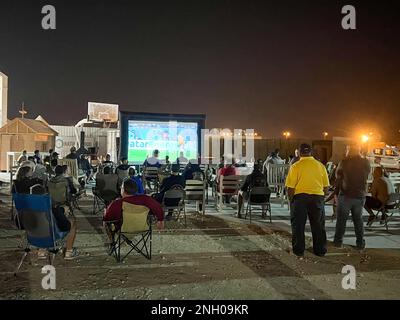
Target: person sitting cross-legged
(129, 194)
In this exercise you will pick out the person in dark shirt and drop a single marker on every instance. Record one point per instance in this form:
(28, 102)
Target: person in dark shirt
(108, 160)
(191, 169)
(24, 181)
(73, 155)
(175, 180)
(351, 174)
(124, 166)
(255, 179)
(85, 166)
(38, 158)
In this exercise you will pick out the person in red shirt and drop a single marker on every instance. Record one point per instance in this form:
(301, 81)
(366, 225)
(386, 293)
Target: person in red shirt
(228, 170)
(128, 193)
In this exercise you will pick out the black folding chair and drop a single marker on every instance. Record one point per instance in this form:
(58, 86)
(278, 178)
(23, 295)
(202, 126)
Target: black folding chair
(259, 197)
(175, 195)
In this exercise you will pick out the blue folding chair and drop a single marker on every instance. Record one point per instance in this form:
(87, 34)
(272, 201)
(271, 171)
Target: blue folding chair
(35, 217)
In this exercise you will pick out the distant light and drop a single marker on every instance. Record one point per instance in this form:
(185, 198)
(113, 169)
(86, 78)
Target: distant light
(364, 138)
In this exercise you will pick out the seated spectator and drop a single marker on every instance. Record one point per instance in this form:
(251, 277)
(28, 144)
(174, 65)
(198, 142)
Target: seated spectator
(138, 181)
(255, 179)
(129, 194)
(73, 155)
(23, 157)
(153, 161)
(59, 201)
(190, 170)
(182, 159)
(61, 176)
(24, 181)
(29, 163)
(124, 166)
(107, 185)
(50, 169)
(108, 160)
(173, 181)
(227, 170)
(382, 187)
(40, 172)
(37, 157)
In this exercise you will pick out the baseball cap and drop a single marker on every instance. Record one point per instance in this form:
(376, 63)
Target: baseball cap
(305, 148)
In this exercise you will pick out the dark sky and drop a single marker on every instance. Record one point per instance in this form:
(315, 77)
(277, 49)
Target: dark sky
(268, 65)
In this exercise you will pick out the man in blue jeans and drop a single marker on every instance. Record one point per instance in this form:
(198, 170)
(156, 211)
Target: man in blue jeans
(352, 173)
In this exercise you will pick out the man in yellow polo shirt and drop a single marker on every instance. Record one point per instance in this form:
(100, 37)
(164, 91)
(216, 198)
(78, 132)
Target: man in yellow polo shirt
(307, 182)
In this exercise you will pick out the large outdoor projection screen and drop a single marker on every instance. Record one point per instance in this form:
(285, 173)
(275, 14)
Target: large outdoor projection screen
(143, 133)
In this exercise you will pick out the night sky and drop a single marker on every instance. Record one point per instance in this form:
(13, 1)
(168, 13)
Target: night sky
(267, 65)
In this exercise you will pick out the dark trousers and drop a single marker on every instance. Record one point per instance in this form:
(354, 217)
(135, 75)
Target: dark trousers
(313, 206)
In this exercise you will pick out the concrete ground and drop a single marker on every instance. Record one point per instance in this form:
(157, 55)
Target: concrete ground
(217, 257)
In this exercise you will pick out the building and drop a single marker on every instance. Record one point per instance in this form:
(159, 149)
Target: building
(3, 99)
(24, 134)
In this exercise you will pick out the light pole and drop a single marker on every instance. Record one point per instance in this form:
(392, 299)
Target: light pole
(287, 134)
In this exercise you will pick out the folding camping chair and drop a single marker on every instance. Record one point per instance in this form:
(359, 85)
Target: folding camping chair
(175, 195)
(105, 192)
(59, 195)
(35, 216)
(259, 196)
(122, 175)
(392, 206)
(150, 175)
(135, 231)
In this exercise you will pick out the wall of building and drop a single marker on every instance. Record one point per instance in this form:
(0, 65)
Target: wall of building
(69, 136)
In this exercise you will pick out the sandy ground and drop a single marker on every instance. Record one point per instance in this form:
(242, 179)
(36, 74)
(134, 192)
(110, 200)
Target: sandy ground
(218, 257)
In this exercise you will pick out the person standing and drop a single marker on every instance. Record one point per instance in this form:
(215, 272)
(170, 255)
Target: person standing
(307, 182)
(352, 173)
(38, 158)
(23, 157)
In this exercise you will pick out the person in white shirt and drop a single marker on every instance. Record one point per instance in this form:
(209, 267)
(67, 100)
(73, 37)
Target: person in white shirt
(182, 159)
(153, 161)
